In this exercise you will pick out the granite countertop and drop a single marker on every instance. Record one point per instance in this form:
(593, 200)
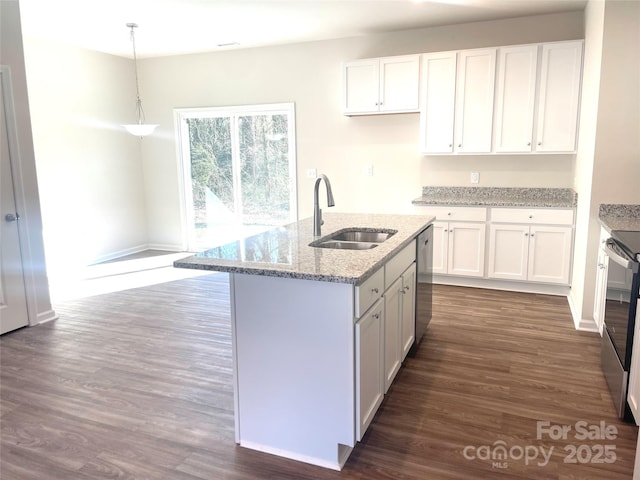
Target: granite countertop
(498, 197)
(285, 251)
(619, 217)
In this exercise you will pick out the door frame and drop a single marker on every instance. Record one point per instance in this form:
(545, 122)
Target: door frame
(26, 239)
(182, 146)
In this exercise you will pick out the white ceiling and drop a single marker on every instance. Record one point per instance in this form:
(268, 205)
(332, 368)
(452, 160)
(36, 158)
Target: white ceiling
(170, 27)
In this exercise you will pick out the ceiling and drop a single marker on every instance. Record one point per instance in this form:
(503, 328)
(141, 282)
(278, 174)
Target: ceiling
(171, 27)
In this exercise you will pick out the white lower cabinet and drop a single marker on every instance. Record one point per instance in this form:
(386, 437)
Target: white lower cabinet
(601, 288)
(392, 308)
(384, 333)
(633, 393)
(531, 253)
(369, 364)
(408, 316)
(399, 323)
(550, 254)
(458, 248)
(531, 245)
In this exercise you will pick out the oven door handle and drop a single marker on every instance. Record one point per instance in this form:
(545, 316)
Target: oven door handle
(616, 256)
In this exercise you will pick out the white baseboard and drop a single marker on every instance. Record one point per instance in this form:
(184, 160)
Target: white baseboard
(169, 247)
(581, 324)
(493, 284)
(46, 316)
(120, 253)
(333, 465)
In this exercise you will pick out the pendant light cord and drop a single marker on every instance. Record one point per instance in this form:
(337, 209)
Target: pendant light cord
(139, 110)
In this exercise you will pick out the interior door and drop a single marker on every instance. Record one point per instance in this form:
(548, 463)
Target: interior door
(13, 300)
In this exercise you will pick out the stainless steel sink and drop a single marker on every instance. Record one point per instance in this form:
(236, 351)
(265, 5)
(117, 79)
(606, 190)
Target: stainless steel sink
(354, 239)
(345, 245)
(361, 236)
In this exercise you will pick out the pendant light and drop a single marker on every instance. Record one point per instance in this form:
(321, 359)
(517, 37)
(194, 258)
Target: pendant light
(139, 129)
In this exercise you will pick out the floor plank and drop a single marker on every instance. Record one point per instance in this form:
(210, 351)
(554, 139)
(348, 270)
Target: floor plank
(138, 384)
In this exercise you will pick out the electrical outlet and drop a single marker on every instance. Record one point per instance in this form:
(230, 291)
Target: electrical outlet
(369, 170)
(312, 173)
(475, 177)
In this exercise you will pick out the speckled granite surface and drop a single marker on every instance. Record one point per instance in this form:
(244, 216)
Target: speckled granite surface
(285, 251)
(616, 216)
(498, 197)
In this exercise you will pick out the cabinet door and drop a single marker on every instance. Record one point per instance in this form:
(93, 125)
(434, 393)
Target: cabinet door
(601, 289)
(438, 102)
(440, 247)
(516, 91)
(361, 86)
(369, 374)
(550, 254)
(474, 100)
(466, 249)
(400, 84)
(392, 315)
(508, 251)
(557, 121)
(408, 317)
(633, 394)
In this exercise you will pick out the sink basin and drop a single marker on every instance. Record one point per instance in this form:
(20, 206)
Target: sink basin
(361, 236)
(354, 239)
(345, 245)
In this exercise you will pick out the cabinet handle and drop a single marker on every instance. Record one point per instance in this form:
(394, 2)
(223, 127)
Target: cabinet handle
(601, 266)
(449, 213)
(459, 145)
(375, 290)
(539, 143)
(376, 315)
(450, 145)
(530, 216)
(529, 144)
(526, 234)
(405, 289)
(532, 235)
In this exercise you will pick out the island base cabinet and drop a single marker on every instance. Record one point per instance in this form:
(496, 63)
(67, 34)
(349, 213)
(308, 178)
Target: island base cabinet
(392, 310)
(369, 361)
(294, 367)
(408, 314)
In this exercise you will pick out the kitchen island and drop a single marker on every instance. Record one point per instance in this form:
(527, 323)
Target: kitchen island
(317, 333)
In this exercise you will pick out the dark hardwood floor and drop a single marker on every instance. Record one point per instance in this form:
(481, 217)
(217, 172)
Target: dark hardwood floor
(138, 385)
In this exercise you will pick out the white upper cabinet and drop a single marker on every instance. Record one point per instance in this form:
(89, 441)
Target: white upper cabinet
(474, 100)
(515, 102)
(457, 101)
(513, 99)
(361, 86)
(382, 85)
(438, 102)
(561, 71)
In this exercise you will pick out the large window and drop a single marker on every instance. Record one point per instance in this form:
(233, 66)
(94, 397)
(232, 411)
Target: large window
(238, 171)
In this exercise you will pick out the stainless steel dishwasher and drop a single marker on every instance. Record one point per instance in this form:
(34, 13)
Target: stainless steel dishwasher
(424, 285)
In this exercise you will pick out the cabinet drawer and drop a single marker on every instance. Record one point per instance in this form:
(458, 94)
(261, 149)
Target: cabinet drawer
(461, 214)
(369, 292)
(548, 216)
(398, 264)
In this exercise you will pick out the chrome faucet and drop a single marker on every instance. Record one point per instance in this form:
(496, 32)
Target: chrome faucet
(317, 212)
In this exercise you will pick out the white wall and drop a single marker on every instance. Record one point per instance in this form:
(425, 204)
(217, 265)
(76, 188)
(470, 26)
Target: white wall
(309, 74)
(608, 160)
(89, 168)
(25, 179)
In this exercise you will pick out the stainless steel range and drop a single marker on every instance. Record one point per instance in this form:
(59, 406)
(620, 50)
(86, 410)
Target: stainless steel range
(623, 290)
